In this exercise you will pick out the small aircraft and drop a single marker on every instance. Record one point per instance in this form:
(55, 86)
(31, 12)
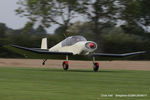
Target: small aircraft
(69, 47)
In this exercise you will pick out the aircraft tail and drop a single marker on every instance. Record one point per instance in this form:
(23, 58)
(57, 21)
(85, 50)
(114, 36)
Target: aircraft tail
(44, 43)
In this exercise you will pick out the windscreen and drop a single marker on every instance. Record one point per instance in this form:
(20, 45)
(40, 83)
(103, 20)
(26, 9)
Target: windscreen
(72, 40)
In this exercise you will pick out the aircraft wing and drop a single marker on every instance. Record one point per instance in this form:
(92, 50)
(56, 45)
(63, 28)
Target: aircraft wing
(37, 53)
(117, 55)
(41, 51)
(45, 54)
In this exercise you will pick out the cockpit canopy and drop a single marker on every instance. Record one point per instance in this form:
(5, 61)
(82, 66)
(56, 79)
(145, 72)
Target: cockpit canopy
(72, 40)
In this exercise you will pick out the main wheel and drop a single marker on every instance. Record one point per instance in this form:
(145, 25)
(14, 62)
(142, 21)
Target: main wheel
(43, 63)
(95, 67)
(65, 65)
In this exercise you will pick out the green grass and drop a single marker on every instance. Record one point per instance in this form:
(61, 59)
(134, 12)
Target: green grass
(56, 84)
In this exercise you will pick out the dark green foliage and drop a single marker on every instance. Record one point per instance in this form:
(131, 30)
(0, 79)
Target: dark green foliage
(41, 30)
(27, 36)
(114, 39)
(136, 11)
(3, 29)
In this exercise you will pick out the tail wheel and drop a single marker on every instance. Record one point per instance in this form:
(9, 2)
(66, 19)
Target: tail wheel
(65, 65)
(95, 67)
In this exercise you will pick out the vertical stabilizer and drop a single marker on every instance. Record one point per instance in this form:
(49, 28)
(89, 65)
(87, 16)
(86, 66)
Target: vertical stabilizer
(44, 43)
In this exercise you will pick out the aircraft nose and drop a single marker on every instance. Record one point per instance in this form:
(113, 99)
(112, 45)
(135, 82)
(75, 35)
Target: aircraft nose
(91, 45)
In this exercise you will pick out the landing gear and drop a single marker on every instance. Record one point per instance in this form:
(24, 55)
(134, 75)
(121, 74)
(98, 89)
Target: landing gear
(95, 65)
(44, 61)
(65, 64)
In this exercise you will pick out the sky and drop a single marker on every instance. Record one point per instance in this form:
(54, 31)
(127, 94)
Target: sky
(8, 15)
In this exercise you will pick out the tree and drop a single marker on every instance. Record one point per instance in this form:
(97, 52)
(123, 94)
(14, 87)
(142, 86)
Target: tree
(136, 11)
(3, 29)
(84, 29)
(136, 15)
(28, 29)
(99, 12)
(81, 28)
(50, 12)
(41, 30)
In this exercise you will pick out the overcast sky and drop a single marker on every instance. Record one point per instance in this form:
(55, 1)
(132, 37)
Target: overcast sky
(8, 16)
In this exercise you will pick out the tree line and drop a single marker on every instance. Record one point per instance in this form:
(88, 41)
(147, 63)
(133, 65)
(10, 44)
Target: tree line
(117, 26)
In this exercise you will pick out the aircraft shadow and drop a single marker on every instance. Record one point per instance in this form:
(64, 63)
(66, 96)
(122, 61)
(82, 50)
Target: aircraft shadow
(84, 71)
(60, 70)
(77, 70)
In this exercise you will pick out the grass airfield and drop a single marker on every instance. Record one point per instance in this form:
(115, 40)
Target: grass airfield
(56, 84)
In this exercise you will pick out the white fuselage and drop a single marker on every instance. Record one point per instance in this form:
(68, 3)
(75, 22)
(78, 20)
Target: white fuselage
(78, 48)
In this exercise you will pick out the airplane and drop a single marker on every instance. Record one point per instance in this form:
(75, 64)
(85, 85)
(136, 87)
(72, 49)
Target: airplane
(71, 46)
